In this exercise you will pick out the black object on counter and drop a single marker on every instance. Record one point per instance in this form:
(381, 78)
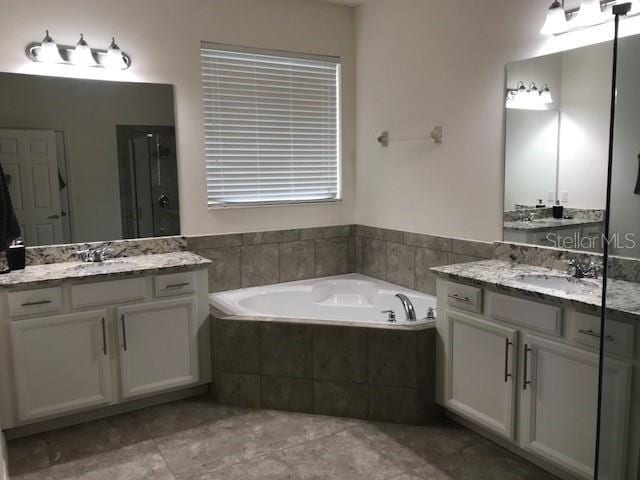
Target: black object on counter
(558, 210)
(16, 256)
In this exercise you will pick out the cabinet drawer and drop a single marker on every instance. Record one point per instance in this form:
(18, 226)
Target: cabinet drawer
(465, 297)
(532, 315)
(175, 284)
(619, 336)
(33, 302)
(105, 293)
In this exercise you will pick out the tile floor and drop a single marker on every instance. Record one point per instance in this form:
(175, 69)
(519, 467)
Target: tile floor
(196, 439)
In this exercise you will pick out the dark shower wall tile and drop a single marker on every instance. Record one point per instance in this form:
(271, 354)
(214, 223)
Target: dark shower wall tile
(392, 358)
(236, 389)
(286, 350)
(213, 241)
(401, 264)
(341, 399)
(236, 346)
(374, 258)
(425, 259)
(472, 248)
(260, 265)
(332, 257)
(340, 353)
(286, 393)
(274, 236)
(325, 232)
(428, 241)
(297, 260)
(224, 271)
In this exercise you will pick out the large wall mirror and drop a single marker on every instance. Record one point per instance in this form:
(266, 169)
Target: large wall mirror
(556, 148)
(89, 160)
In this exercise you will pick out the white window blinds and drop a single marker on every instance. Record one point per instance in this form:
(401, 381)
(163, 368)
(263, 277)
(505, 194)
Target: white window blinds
(271, 127)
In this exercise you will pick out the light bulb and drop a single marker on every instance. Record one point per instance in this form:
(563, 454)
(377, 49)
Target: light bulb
(590, 13)
(49, 52)
(545, 95)
(533, 94)
(556, 21)
(114, 58)
(82, 54)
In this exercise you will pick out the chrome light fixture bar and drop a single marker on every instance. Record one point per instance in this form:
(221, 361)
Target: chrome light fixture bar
(590, 13)
(532, 98)
(81, 54)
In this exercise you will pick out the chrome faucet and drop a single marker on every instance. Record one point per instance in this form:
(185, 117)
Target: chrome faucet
(528, 217)
(583, 269)
(92, 255)
(409, 311)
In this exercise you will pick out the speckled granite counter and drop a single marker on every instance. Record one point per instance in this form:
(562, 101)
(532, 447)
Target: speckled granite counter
(622, 297)
(55, 273)
(549, 223)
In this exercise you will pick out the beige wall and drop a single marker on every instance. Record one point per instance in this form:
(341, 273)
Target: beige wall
(422, 63)
(163, 39)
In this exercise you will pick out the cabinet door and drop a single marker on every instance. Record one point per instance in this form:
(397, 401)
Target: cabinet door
(62, 364)
(158, 346)
(559, 403)
(480, 370)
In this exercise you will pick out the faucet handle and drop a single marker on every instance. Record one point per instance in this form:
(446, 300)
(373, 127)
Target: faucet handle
(392, 315)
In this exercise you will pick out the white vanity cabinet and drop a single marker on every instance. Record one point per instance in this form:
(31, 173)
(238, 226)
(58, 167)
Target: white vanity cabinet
(480, 382)
(519, 369)
(80, 346)
(61, 364)
(158, 346)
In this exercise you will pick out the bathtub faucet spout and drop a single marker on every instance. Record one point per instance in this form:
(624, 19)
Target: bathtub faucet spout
(409, 311)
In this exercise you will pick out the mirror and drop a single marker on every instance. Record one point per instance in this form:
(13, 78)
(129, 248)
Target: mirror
(89, 160)
(556, 148)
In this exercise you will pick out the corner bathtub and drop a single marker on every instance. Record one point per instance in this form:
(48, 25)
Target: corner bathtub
(351, 299)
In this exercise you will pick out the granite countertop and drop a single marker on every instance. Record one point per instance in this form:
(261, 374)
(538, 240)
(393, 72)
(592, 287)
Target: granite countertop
(549, 223)
(56, 273)
(622, 297)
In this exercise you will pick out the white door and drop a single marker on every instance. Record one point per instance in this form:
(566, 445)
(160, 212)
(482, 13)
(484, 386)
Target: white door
(480, 381)
(558, 414)
(62, 364)
(29, 158)
(158, 346)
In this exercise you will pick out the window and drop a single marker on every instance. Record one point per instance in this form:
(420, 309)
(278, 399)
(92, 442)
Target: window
(272, 129)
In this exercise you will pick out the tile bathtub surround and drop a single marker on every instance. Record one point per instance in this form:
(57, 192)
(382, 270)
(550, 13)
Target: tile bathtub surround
(331, 370)
(264, 258)
(405, 258)
(198, 439)
(120, 248)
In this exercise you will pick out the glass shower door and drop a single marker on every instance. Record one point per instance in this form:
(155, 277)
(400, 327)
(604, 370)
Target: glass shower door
(619, 432)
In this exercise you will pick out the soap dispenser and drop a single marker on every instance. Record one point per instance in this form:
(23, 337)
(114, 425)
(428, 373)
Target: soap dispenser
(16, 254)
(558, 210)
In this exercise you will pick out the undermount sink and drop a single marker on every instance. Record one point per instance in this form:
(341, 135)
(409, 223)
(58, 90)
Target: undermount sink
(116, 262)
(562, 283)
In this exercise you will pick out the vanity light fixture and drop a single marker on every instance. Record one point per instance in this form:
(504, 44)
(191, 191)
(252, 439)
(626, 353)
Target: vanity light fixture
(81, 54)
(560, 20)
(556, 20)
(48, 52)
(532, 98)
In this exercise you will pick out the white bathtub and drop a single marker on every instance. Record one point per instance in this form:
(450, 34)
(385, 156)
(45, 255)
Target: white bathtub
(347, 299)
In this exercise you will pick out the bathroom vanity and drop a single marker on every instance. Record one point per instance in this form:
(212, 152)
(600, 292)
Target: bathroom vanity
(76, 337)
(518, 359)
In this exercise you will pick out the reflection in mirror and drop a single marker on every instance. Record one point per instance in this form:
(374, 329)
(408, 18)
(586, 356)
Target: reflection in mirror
(556, 148)
(89, 160)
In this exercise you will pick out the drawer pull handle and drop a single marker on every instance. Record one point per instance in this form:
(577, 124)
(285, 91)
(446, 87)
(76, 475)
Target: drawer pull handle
(455, 296)
(507, 344)
(104, 338)
(177, 285)
(591, 333)
(124, 332)
(526, 382)
(34, 304)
